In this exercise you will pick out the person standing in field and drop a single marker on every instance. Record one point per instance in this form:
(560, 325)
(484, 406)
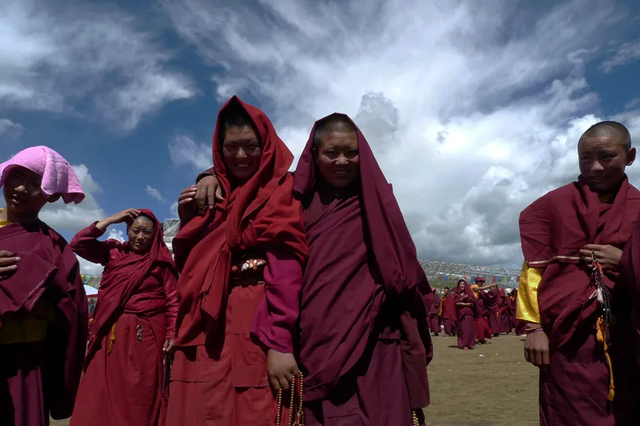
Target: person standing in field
(364, 337)
(574, 311)
(43, 305)
(432, 302)
(465, 302)
(241, 276)
(448, 313)
(133, 325)
(483, 331)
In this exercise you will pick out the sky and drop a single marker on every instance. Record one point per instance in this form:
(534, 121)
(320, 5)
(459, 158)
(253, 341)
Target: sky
(473, 109)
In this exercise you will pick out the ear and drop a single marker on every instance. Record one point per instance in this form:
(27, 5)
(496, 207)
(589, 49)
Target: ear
(631, 156)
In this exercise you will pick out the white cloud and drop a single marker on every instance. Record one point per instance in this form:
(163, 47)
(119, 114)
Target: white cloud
(625, 54)
(89, 268)
(73, 217)
(154, 193)
(116, 234)
(174, 210)
(55, 55)
(10, 129)
(185, 151)
(473, 110)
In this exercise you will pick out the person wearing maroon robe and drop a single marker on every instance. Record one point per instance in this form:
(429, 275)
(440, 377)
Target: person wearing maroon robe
(505, 310)
(133, 324)
(465, 302)
(241, 277)
(43, 305)
(483, 332)
(364, 337)
(448, 312)
(513, 296)
(432, 302)
(588, 374)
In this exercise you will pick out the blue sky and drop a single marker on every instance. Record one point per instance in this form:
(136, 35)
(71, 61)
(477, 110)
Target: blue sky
(473, 111)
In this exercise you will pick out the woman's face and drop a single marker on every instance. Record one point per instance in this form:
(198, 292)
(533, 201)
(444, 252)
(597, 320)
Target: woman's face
(337, 158)
(242, 151)
(461, 285)
(141, 234)
(23, 191)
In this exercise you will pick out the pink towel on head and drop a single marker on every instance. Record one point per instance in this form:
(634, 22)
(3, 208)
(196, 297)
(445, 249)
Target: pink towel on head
(58, 177)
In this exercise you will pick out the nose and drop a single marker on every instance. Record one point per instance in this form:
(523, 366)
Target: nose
(241, 153)
(596, 166)
(342, 160)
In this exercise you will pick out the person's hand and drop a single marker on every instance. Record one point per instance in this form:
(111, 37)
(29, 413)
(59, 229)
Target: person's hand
(281, 368)
(608, 256)
(169, 347)
(208, 192)
(8, 264)
(187, 204)
(536, 349)
(125, 216)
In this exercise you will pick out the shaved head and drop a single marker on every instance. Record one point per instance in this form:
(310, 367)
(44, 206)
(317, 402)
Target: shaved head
(335, 123)
(608, 129)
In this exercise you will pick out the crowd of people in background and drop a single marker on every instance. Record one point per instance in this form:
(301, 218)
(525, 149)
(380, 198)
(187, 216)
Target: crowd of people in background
(305, 286)
(474, 313)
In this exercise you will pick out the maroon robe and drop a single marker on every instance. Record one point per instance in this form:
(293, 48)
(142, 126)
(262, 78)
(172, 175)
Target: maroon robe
(483, 331)
(137, 296)
(492, 302)
(239, 289)
(364, 338)
(466, 327)
(553, 230)
(432, 302)
(41, 378)
(448, 314)
(505, 312)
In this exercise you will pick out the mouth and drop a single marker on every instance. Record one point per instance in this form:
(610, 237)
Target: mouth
(341, 173)
(242, 166)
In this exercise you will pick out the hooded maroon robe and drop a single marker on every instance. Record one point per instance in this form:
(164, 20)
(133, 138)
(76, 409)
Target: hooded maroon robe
(228, 320)
(466, 328)
(364, 339)
(41, 378)
(553, 230)
(505, 312)
(492, 302)
(432, 302)
(138, 295)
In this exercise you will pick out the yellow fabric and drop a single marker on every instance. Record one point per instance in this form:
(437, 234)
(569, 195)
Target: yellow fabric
(26, 327)
(600, 335)
(527, 303)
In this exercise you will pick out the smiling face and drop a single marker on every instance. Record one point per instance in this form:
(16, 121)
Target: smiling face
(242, 151)
(140, 234)
(23, 193)
(603, 158)
(337, 158)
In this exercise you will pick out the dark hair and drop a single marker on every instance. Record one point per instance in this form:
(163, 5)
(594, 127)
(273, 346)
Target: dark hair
(605, 128)
(447, 288)
(235, 116)
(337, 123)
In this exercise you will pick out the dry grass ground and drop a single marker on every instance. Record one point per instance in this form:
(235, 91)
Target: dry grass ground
(467, 389)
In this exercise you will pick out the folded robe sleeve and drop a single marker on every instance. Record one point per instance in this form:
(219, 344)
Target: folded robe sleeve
(86, 245)
(527, 302)
(276, 319)
(170, 287)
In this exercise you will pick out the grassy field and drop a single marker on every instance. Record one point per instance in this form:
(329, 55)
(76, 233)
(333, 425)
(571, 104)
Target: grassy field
(491, 385)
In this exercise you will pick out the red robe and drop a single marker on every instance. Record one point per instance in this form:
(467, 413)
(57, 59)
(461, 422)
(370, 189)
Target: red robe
(40, 378)
(505, 312)
(553, 230)
(432, 302)
(492, 302)
(229, 316)
(448, 314)
(483, 331)
(364, 337)
(137, 296)
(466, 328)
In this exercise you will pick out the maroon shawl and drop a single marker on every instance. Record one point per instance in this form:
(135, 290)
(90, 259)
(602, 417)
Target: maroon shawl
(120, 279)
(362, 264)
(553, 229)
(49, 268)
(432, 302)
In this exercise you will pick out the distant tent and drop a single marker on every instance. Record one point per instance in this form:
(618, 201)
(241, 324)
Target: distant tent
(91, 292)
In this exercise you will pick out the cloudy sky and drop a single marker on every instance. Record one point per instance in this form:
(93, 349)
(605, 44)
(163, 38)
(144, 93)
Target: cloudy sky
(473, 108)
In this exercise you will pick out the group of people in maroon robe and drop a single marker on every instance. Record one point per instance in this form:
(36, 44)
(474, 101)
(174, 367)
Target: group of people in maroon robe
(305, 286)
